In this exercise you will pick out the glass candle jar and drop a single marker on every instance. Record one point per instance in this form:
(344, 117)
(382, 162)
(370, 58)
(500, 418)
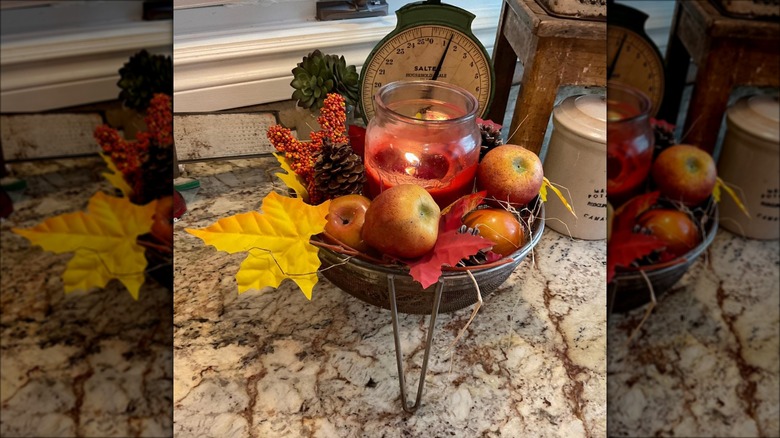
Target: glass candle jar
(424, 133)
(630, 142)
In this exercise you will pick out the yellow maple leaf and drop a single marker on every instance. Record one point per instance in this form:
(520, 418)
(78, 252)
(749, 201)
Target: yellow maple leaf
(291, 179)
(543, 194)
(103, 241)
(277, 241)
(115, 177)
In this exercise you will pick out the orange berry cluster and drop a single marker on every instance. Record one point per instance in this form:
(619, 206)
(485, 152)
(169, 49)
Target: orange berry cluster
(159, 119)
(315, 197)
(332, 121)
(127, 156)
(299, 154)
(131, 156)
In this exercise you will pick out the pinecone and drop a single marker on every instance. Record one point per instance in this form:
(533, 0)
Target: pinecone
(338, 171)
(346, 78)
(313, 80)
(142, 76)
(491, 137)
(664, 135)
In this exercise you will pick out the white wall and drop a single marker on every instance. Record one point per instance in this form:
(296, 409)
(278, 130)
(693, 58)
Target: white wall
(58, 54)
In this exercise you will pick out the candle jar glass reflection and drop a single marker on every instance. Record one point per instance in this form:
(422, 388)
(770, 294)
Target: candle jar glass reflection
(424, 133)
(630, 142)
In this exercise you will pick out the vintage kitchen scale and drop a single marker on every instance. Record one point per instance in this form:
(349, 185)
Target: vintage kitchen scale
(632, 57)
(432, 41)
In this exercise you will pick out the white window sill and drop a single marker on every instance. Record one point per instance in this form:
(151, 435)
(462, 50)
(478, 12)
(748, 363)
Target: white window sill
(52, 72)
(45, 68)
(223, 69)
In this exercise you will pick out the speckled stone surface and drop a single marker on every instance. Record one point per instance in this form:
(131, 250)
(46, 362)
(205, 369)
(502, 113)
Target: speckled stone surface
(91, 364)
(271, 363)
(705, 363)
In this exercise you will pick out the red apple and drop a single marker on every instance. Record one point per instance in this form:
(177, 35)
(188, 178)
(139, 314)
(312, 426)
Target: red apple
(162, 225)
(402, 221)
(499, 226)
(346, 216)
(674, 228)
(685, 173)
(510, 173)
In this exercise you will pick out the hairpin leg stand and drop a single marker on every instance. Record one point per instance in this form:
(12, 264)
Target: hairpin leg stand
(411, 408)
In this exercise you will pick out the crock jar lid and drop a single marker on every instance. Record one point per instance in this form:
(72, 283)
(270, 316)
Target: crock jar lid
(758, 115)
(584, 115)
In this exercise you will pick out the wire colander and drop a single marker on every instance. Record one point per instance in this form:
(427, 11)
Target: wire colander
(628, 289)
(368, 281)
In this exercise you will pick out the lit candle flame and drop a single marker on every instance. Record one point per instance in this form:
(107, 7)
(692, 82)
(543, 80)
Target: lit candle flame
(413, 161)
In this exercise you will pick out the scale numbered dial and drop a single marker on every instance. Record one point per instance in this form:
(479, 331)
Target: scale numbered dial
(632, 58)
(424, 51)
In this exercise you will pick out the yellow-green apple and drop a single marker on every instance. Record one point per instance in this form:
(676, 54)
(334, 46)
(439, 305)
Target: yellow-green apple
(674, 228)
(510, 173)
(346, 216)
(499, 226)
(402, 221)
(685, 173)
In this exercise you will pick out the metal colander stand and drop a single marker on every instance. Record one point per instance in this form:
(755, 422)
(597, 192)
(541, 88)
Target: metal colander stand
(365, 280)
(399, 355)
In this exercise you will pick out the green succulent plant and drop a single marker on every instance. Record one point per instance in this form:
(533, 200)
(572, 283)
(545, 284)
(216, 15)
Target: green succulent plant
(142, 76)
(346, 77)
(318, 74)
(312, 81)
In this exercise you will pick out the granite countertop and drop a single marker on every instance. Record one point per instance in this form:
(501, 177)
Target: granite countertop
(84, 364)
(271, 363)
(705, 363)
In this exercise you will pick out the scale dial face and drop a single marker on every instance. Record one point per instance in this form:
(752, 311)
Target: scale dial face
(415, 53)
(634, 61)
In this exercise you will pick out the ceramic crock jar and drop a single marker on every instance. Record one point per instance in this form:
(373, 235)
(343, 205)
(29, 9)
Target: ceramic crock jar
(630, 142)
(575, 160)
(750, 161)
(424, 133)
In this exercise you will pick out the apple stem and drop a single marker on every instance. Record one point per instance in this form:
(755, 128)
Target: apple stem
(342, 248)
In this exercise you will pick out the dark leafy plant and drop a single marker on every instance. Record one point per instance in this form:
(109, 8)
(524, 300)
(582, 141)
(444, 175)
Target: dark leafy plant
(142, 76)
(318, 74)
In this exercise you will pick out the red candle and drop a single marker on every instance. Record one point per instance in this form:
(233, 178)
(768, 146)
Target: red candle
(440, 174)
(629, 143)
(423, 133)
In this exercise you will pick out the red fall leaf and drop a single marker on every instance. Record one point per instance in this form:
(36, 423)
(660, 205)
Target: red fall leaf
(450, 248)
(626, 247)
(452, 215)
(626, 214)
(488, 123)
